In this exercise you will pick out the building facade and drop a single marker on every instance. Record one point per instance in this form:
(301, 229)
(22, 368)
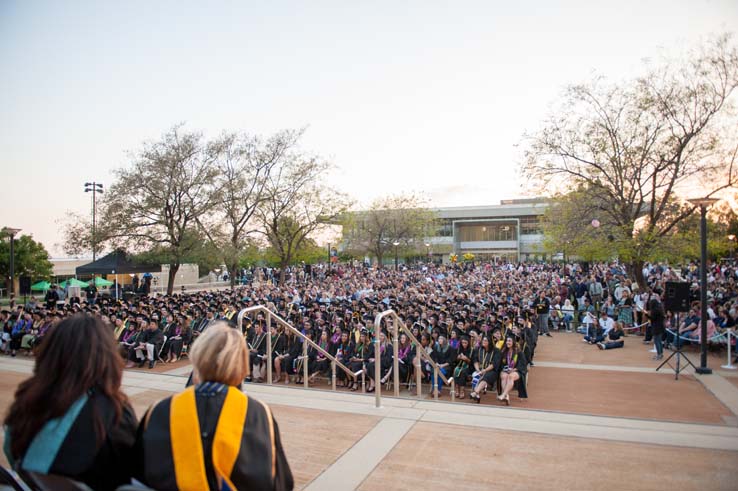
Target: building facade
(509, 231)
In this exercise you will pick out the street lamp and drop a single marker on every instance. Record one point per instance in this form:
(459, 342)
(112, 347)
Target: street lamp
(395, 243)
(95, 188)
(427, 247)
(704, 204)
(11, 232)
(731, 238)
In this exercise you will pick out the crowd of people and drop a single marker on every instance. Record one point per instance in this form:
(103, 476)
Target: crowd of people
(450, 311)
(478, 323)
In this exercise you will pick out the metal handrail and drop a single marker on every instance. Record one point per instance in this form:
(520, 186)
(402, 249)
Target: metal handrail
(306, 340)
(420, 353)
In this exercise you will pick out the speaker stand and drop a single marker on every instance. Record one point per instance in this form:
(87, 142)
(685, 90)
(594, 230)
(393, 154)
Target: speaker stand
(679, 355)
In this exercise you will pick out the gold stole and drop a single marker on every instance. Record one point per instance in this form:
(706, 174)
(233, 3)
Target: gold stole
(187, 452)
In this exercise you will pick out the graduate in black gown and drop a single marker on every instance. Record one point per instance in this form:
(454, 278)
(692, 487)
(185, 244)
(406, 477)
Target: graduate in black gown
(360, 357)
(212, 435)
(75, 386)
(486, 362)
(514, 369)
(445, 356)
(343, 351)
(463, 365)
(385, 361)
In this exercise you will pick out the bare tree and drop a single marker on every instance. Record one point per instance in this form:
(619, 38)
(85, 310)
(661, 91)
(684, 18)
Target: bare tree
(297, 205)
(642, 146)
(401, 219)
(244, 165)
(156, 202)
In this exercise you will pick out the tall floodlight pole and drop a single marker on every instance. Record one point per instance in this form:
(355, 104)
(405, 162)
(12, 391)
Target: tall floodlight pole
(95, 188)
(704, 204)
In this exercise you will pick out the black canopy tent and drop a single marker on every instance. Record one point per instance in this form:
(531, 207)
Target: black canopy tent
(117, 262)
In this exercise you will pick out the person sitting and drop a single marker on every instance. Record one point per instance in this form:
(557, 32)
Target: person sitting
(360, 356)
(319, 364)
(689, 328)
(150, 341)
(385, 361)
(462, 366)
(600, 329)
(127, 340)
(486, 368)
(257, 351)
(71, 417)
(444, 356)
(343, 350)
(514, 368)
(614, 338)
(567, 310)
(22, 326)
(212, 435)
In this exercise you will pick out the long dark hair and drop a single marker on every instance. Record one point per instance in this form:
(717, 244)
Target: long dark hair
(75, 356)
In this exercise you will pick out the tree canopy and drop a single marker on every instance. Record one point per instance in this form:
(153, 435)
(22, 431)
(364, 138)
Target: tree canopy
(403, 219)
(642, 146)
(31, 258)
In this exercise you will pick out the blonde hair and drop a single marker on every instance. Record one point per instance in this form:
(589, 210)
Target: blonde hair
(220, 355)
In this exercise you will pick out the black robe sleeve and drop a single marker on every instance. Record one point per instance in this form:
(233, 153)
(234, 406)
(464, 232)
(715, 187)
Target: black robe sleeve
(283, 479)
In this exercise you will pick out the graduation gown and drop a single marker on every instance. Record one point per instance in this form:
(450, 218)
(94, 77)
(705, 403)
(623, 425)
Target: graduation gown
(70, 448)
(211, 436)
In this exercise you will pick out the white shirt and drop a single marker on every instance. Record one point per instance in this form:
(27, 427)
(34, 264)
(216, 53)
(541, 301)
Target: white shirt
(607, 325)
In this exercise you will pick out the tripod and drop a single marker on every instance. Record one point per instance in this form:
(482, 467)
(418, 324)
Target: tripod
(678, 353)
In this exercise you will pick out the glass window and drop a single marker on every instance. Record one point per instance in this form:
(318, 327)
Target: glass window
(530, 225)
(490, 232)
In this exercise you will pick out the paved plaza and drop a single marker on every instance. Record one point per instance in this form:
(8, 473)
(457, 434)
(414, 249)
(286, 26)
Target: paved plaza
(594, 420)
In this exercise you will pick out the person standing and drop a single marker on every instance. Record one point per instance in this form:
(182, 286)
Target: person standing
(657, 318)
(543, 306)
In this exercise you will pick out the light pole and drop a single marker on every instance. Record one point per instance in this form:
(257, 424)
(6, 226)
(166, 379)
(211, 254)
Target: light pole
(427, 248)
(731, 238)
(95, 188)
(11, 232)
(703, 203)
(395, 243)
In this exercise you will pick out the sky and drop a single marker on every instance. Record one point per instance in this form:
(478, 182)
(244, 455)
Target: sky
(425, 96)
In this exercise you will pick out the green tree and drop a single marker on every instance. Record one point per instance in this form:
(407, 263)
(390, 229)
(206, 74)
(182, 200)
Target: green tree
(637, 144)
(31, 258)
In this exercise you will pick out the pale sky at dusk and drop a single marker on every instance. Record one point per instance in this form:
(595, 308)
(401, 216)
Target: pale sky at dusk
(425, 96)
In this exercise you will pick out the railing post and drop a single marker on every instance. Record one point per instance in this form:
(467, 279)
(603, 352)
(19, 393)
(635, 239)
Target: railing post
(729, 365)
(435, 382)
(333, 374)
(269, 347)
(377, 370)
(395, 353)
(419, 372)
(305, 363)
(453, 390)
